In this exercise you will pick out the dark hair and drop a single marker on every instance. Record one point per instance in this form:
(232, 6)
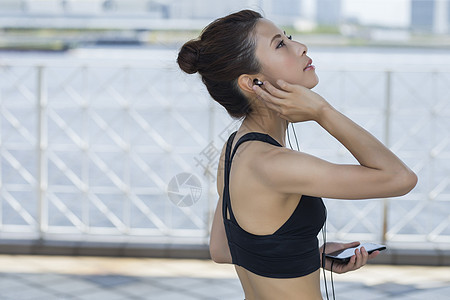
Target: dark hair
(224, 51)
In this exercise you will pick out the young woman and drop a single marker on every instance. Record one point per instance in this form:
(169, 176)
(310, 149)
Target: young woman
(270, 211)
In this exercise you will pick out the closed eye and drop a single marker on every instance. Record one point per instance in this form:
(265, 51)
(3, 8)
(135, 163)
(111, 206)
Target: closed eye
(281, 44)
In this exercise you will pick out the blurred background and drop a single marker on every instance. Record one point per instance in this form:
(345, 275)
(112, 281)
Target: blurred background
(107, 148)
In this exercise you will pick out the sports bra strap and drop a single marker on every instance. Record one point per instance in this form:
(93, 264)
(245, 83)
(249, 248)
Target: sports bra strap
(251, 136)
(225, 194)
(254, 136)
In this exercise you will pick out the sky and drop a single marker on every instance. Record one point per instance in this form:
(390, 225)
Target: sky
(379, 12)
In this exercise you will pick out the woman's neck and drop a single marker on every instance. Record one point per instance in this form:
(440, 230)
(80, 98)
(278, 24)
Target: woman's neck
(266, 121)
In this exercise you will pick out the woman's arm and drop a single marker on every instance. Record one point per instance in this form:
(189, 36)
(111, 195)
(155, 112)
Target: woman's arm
(218, 242)
(380, 172)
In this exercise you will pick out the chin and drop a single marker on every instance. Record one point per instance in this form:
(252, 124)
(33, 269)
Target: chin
(316, 81)
(309, 82)
(313, 84)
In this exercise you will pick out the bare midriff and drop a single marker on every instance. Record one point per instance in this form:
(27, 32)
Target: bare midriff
(257, 287)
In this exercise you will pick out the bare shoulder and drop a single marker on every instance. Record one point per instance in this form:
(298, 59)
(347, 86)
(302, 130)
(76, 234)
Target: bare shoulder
(271, 161)
(248, 159)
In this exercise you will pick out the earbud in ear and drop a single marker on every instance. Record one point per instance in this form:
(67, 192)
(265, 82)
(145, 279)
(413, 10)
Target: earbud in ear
(256, 81)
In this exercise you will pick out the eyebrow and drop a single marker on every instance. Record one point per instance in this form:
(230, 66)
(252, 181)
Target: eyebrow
(274, 38)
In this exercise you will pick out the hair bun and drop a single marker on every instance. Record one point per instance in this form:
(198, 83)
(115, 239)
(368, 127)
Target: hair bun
(188, 56)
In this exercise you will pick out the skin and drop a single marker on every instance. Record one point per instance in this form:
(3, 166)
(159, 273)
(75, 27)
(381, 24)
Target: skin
(267, 182)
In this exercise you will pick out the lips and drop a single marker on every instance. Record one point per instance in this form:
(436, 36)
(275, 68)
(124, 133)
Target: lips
(309, 66)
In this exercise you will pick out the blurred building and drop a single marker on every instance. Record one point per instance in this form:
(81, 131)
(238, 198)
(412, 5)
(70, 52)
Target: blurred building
(424, 15)
(441, 18)
(283, 12)
(199, 9)
(430, 16)
(328, 12)
(139, 12)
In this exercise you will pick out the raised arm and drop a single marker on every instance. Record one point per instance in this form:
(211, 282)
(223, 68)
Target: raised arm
(380, 172)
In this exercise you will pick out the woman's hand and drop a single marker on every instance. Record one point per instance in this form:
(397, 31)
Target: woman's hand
(356, 261)
(294, 103)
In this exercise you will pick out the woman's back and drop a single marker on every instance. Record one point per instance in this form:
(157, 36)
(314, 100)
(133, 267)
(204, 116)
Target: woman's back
(264, 288)
(271, 235)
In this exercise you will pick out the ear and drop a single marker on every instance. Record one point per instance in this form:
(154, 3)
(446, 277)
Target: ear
(245, 83)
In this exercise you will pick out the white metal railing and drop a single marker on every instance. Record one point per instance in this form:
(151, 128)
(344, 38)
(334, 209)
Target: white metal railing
(92, 151)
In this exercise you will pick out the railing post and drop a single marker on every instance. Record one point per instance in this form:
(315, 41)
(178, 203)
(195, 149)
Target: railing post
(387, 142)
(42, 143)
(1, 164)
(85, 213)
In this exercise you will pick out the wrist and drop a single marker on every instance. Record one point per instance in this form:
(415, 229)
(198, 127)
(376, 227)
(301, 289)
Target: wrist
(323, 113)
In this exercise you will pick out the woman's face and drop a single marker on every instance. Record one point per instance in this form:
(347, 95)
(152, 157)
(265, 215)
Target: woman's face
(282, 58)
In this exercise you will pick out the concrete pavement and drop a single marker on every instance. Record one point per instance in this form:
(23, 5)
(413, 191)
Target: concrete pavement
(28, 277)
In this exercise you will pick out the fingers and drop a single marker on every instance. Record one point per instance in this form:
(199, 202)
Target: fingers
(285, 85)
(374, 254)
(351, 245)
(358, 260)
(274, 91)
(270, 101)
(344, 268)
(364, 256)
(332, 247)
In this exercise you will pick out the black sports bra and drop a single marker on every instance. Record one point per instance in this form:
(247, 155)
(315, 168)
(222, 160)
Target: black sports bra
(293, 250)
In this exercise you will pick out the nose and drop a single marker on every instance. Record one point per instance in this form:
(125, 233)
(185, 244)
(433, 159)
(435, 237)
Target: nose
(303, 49)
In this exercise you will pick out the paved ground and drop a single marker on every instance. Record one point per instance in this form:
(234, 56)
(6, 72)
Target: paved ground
(50, 277)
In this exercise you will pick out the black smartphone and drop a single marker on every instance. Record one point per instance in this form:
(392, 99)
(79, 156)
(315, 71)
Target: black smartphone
(343, 256)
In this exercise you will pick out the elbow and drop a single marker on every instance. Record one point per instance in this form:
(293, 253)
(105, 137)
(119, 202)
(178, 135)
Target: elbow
(407, 181)
(219, 251)
(413, 180)
(213, 253)
(218, 255)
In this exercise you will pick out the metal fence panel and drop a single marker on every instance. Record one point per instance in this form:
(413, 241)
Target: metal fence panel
(94, 152)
